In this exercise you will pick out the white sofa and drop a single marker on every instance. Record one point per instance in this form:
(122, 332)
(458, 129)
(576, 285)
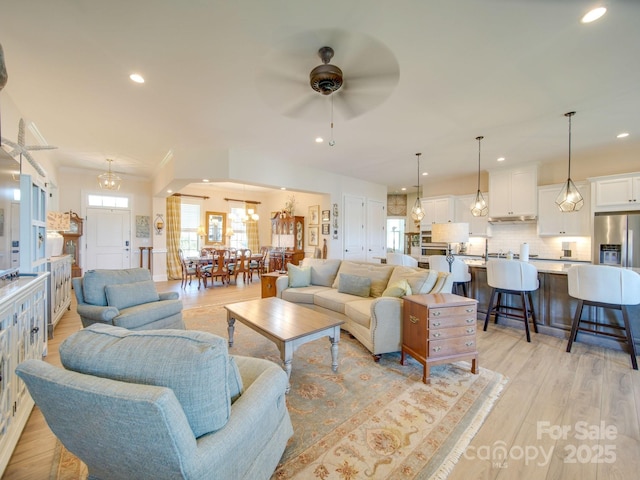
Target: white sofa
(375, 319)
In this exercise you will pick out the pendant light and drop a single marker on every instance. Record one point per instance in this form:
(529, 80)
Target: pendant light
(479, 206)
(569, 198)
(109, 180)
(417, 212)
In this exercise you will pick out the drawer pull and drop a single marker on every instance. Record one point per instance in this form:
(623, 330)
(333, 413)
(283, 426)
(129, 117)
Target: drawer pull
(436, 324)
(413, 319)
(469, 310)
(437, 334)
(469, 344)
(437, 349)
(471, 330)
(470, 320)
(437, 314)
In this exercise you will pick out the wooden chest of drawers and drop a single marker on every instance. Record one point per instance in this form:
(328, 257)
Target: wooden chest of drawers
(439, 328)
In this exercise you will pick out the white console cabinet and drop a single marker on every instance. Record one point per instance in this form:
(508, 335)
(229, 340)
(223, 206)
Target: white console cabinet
(59, 281)
(23, 327)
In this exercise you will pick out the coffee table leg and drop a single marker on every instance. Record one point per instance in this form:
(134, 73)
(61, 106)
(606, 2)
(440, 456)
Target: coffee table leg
(230, 322)
(335, 339)
(287, 368)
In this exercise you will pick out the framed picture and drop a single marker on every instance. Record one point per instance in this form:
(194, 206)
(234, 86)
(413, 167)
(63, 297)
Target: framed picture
(326, 215)
(325, 229)
(314, 215)
(313, 236)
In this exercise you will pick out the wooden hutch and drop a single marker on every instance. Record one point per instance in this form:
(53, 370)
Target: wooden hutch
(287, 232)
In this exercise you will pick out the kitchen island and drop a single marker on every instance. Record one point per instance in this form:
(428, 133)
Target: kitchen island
(553, 306)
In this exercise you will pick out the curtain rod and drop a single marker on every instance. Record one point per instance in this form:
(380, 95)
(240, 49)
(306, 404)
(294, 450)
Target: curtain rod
(187, 195)
(244, 201)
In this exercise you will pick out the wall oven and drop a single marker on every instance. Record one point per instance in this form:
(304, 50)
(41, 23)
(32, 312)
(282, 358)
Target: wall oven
(428, 247)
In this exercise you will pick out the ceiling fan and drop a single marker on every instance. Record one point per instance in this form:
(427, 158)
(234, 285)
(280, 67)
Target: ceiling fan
(367, 74)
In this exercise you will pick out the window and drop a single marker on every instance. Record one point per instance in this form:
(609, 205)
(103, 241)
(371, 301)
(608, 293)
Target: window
(235, 221)
(189, 223)
(108, 201)
(395, 235)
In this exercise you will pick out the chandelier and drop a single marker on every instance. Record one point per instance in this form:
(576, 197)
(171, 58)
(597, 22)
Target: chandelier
(109, 180)
(417, 212)
(479, 206)
(569, 198)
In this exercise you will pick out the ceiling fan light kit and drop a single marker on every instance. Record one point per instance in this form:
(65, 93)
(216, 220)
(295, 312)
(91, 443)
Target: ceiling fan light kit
(569, 199)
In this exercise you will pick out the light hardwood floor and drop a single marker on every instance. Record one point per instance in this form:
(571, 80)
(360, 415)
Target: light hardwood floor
(548, 390)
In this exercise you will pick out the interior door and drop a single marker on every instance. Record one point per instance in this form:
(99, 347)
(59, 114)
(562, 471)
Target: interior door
(108, 234)
(354, 235)
(376, 231)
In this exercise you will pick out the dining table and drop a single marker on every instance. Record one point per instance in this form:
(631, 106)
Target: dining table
(203, 260)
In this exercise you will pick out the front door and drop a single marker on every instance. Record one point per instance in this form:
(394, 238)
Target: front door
(108, 238)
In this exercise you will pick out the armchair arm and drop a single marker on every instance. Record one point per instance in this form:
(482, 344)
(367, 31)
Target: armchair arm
(169, 295)
(98, 313)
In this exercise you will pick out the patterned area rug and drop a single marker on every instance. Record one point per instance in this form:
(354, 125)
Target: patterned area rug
(367, 420)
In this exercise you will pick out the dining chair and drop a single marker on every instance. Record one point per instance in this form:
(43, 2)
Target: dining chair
(259, 263)
(189, 270)
(218, 268)
(240, 263)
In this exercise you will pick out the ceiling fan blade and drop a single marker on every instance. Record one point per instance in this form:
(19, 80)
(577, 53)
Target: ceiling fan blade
(308, 108)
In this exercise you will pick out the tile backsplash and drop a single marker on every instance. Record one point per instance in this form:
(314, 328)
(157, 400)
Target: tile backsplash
(510, 237)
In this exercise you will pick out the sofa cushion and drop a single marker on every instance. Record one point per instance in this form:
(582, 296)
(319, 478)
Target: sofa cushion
(323, 272)
(302, 294)
(139, 315)
(298, 276)
(95, 281)
(126, 295)
(195, 365)
(379, 275)
(354, 285)
(398, 288)
(333, 300)
(420, 280)
(359, 311)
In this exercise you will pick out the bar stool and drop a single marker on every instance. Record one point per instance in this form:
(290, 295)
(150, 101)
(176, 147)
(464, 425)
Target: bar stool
(607, 287)
(512, 277)
(459, 272)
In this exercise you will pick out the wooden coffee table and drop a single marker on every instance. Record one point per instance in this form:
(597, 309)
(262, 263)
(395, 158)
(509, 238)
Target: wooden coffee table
(286, 324)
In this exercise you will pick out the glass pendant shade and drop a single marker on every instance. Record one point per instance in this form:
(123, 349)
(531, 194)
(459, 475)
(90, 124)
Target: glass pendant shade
(109, 180)
(479, 207)
(417, 212)
(569, 198)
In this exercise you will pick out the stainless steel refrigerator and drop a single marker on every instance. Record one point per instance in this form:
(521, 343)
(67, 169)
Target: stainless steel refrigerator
(616, 239)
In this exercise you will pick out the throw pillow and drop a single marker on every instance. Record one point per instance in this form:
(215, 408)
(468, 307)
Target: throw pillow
(299, 276)
(397, 289)
(323, 272)
(379, 274)
(354, 285)
(420, 280)
(127, 295)
(195, 365)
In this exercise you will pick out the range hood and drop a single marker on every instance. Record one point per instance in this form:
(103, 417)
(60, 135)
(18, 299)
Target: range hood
(521, 219)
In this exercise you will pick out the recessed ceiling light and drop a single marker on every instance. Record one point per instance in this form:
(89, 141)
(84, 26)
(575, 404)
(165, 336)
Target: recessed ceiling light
(136, 77)
(169, 191)
(283, 188)
(623, 135)
(593, 15)
(319, 140)
(404, 189)
(424, 174)
(205, 180)
(501, 159)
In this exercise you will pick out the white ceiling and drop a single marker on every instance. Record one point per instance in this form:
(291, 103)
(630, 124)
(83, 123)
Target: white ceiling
(426, 76)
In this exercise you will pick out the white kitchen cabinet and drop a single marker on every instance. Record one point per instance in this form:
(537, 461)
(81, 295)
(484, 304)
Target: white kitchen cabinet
(23, 328)
(553, 222)
(514, 192)
(437, 210)
(478, 226)
(620, 192)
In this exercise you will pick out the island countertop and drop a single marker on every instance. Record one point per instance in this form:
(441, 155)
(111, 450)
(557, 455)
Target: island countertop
(543, 266)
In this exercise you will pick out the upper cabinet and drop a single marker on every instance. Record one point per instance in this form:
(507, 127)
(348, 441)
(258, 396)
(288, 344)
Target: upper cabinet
(620, 192)
(553, 222)
(478, 226)
(514, 192)
(437, 210)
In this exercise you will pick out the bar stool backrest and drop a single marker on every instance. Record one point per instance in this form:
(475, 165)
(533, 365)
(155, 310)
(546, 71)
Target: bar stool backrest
(604, 284)
(459, 269)
(394, 258)
(512, 275)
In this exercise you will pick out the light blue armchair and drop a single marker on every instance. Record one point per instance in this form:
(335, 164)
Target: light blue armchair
(126, 298)
(162, 404)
